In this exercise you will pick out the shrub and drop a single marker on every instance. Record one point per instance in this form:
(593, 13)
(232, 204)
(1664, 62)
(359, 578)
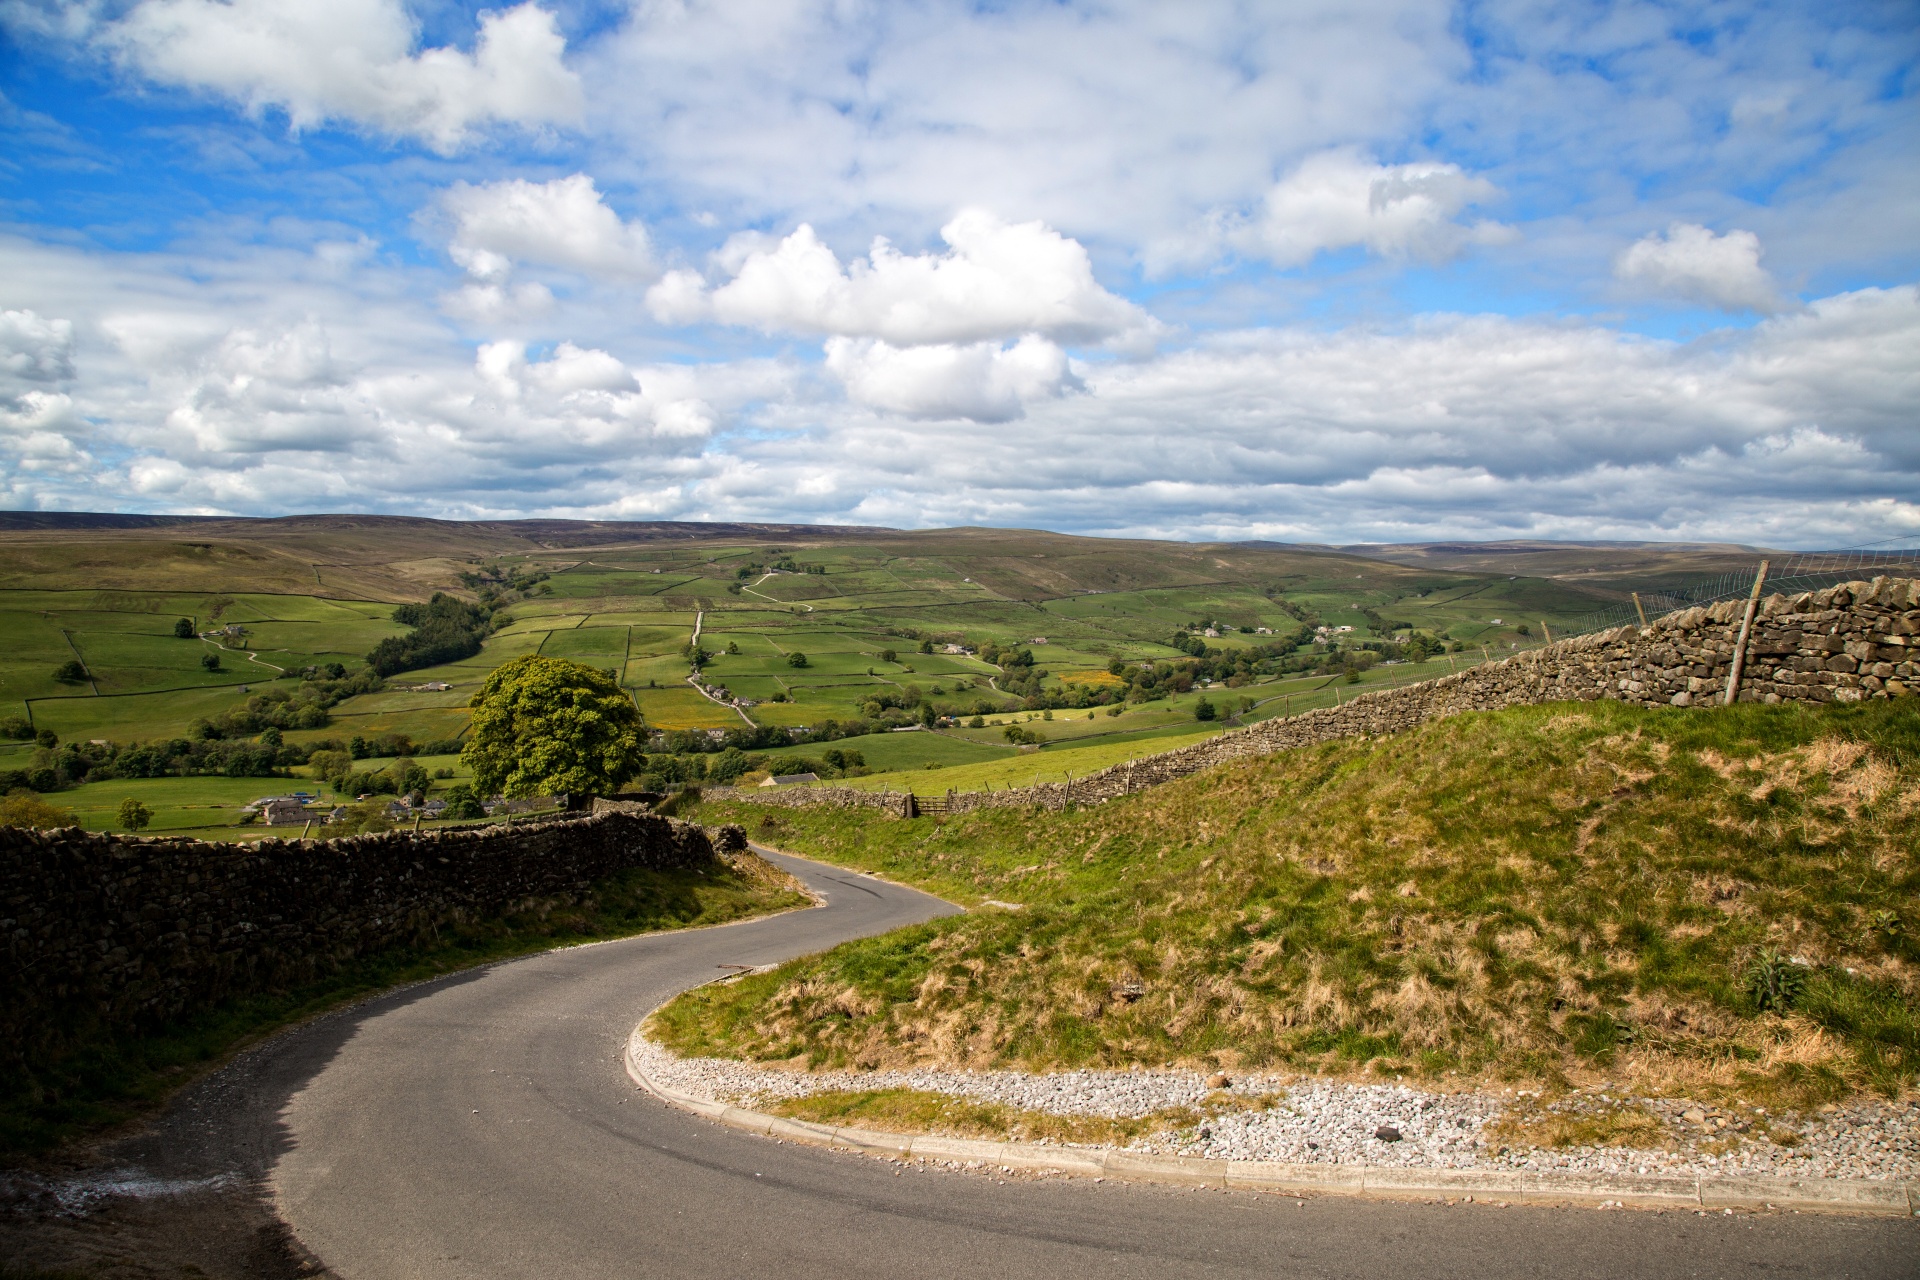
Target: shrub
(1204, 710)
(728, 766)
(25, 809)
(16, 727)
(462, 803)
(211, 662)
(72, 671)
(134, 816)
(364, 818)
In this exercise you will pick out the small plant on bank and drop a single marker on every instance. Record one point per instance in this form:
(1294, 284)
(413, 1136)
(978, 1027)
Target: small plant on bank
(1774, 982)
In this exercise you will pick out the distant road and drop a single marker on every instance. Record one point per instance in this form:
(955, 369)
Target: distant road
(483, 1126)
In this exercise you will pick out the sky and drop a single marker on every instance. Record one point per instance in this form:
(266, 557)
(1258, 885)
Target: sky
(1353, 271)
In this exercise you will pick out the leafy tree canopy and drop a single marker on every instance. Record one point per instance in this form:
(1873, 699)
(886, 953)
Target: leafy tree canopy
(547, 726)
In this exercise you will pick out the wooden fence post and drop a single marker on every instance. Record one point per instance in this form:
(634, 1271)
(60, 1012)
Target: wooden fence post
(1746, 627)
(1641, 610)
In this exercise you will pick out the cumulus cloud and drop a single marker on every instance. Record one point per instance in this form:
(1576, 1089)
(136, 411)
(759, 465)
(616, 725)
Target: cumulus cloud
(563, 223)
(34, 349)
(982, 381)
(1692, 263)
(997, 280)
(1339, 200)
(1795, 430)
(274, 390)
(351, 60)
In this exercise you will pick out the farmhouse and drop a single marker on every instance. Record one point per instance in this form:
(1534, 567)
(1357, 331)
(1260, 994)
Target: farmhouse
(283, 811)
(789, 779)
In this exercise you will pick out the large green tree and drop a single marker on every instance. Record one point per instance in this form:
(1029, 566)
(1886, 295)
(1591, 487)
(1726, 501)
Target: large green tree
(547, 726)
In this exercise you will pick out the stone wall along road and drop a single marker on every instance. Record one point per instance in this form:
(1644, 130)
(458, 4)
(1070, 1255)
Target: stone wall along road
(106, 931)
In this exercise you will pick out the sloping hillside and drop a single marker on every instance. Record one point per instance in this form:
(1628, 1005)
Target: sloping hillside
(1688, 900)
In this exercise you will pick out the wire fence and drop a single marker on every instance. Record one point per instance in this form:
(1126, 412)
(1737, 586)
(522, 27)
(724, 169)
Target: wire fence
(1788, 575)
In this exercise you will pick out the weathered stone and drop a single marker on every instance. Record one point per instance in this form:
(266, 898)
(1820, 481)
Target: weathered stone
(228, 919)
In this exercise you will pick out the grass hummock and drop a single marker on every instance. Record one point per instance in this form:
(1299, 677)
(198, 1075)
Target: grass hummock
(1544, 894)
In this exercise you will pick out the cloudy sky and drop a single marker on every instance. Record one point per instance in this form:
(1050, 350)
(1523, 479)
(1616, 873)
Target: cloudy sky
(1376, 270)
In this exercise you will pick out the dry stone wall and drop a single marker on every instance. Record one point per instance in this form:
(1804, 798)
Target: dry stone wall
(895, 804)
(1851, 642)
(113, 931)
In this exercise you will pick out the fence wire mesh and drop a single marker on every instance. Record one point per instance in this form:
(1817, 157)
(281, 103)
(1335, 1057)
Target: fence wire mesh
(1787, 574)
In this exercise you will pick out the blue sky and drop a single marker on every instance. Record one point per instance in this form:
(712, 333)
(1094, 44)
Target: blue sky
(1328, 272)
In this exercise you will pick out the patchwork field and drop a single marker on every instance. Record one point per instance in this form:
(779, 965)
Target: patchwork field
(798, 627)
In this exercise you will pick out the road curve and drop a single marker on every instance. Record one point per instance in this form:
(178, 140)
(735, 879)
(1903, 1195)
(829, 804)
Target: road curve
(482, 1126)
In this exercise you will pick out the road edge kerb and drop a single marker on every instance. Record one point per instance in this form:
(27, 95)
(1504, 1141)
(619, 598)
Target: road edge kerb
(1651, 1191)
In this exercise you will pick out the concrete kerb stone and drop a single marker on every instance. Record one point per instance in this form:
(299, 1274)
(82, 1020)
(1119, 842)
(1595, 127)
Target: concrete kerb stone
(1652, 1191)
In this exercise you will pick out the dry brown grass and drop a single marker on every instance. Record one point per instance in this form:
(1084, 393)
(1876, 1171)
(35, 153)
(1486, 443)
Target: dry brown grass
(1534, 895)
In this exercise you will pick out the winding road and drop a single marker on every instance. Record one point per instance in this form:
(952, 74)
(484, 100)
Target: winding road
(482, 1125)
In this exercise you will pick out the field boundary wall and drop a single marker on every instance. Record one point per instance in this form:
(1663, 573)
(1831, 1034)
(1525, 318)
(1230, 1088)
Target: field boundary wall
(1847, 643)
(119, 932)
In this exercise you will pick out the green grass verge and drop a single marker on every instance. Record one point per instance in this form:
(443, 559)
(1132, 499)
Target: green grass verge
(1539, 893)
(105, 1080)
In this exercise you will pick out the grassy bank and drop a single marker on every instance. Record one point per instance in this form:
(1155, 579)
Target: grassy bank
(1699, 901)
(112, 1079)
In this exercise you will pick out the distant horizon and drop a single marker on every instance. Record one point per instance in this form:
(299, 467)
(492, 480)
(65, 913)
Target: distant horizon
(1436, 543)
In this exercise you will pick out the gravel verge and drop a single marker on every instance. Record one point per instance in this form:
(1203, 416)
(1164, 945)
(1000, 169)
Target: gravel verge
(1306, 1120)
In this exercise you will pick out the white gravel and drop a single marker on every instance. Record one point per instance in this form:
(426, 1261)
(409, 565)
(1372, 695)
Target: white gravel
(1309, 1120)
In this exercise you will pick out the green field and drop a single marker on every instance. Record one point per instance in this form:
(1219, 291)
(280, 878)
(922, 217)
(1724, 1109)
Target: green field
(631, 606)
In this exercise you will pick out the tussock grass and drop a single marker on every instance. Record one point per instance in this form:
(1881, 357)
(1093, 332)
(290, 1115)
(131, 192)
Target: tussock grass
(1558, 1126)
(918, 1111)
(1544, 893)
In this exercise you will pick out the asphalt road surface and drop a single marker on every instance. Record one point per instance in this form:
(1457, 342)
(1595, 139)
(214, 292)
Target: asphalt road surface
(483, 1126)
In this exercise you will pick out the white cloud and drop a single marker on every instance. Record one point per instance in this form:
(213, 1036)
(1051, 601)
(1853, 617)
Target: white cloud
(34, 349)
(1692, 263)
(274, 390)
(1339, 200)
(351, 60)
(997, 280)
(1119, 121)
(981, 381)
(562, 223)
(212, 391)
